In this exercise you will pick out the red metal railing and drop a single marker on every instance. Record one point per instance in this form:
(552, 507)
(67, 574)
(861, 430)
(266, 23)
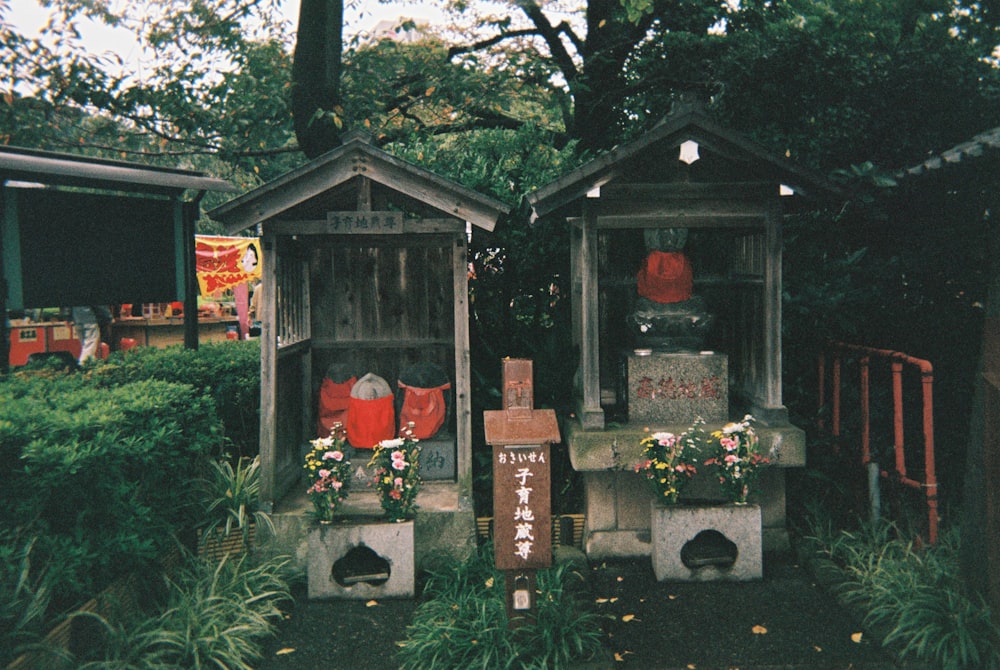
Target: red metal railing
(838, 351)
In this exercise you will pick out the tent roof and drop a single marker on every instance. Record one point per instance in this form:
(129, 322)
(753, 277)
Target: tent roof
(47, 167)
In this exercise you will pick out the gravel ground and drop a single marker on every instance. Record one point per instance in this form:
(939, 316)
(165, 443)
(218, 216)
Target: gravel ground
(784, 621)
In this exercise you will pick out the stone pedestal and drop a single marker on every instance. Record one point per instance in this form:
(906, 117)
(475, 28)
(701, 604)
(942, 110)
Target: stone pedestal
(617, 499)
(361, 560)
(701, 543)
(677, 387)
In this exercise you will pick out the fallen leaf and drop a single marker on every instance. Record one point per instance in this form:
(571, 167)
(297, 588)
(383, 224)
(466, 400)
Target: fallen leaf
(620, 578)
(601, 601)
(619, 657)
(489, 583)
(691, 666)
(817, 647)
(671, 596)
(759, 630)
(629, 617)
(856, 637)
(371, 603)
(286, 650)
(614, 600)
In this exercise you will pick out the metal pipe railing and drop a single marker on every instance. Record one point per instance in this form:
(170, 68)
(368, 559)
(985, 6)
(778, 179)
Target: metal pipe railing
(898, 361)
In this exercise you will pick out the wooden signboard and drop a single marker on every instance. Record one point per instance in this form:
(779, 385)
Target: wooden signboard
(522, 491)
(522, 521)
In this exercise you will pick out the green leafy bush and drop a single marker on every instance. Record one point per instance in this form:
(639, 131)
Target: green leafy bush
(232, 497)
(214, 616)
(94, 472)
(912, 596)
(463, 623)
(24, 595)
(229, 372)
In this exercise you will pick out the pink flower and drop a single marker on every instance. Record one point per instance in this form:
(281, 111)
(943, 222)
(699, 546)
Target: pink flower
(399, 465)
(398, 456)
(395, 494)
(732, 458)
(398, 482)
(324, 473)
(337, 485)
(334, 455)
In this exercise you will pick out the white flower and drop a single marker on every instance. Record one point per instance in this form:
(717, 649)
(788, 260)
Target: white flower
(392, 444)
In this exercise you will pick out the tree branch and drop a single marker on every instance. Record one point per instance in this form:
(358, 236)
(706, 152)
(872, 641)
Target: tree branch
(545, 30)
(490, 41)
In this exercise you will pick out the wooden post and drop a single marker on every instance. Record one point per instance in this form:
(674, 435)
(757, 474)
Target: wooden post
(991, 460)
(522, 488)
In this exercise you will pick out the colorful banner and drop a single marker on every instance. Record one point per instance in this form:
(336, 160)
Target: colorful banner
(225, 262)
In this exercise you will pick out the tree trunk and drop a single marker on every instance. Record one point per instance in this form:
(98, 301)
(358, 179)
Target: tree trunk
(316, 75)
(598, 92)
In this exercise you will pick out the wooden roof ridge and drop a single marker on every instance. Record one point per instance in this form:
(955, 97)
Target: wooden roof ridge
(65, 169)
(975, 147)
(357, 156)
(691, 124)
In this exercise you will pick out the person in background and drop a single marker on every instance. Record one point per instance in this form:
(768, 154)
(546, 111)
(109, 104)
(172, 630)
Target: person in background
(87, 330)
(253, 313)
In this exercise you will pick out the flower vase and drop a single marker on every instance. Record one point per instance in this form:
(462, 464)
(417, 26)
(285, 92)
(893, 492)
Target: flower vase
(706, 542)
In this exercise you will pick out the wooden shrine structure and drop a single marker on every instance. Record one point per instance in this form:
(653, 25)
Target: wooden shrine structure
(367, 269)
(728, 196)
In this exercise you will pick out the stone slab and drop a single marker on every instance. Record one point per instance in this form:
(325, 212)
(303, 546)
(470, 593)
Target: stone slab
(677, 387)
(617, 447)
(437, 459)
(674, 526)
(392, 544)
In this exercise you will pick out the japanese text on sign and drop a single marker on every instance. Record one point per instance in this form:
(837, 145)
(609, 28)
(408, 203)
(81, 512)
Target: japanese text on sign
(670, 389)
(521, 489)
(364, 222)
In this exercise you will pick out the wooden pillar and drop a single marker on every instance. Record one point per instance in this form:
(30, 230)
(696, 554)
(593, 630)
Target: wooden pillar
(590, 413)
(463, 372)
(268, 372)
(185, 215)
(773, 410)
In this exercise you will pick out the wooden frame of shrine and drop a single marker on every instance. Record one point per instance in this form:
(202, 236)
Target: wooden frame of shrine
(726, 192)
(367, 268)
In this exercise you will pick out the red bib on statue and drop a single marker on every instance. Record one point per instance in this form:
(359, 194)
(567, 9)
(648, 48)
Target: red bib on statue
(333, 402)
(370, 421)
(665, 277)
(424, 408)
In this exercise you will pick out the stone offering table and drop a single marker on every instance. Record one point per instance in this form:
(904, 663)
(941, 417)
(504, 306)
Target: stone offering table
(617, 499)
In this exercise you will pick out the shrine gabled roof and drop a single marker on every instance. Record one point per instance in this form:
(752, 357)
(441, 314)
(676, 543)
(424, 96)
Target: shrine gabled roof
(323, 181)
(653, 148)
(63, 169)
(982, 144)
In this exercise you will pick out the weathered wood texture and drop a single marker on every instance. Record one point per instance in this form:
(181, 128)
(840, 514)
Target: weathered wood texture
(285, 368)
(379, 307)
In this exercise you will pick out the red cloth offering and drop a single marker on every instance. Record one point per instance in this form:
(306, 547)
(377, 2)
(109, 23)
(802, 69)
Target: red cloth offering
(666, 277)
(370, 421)
(425, 408)
(333, 402)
